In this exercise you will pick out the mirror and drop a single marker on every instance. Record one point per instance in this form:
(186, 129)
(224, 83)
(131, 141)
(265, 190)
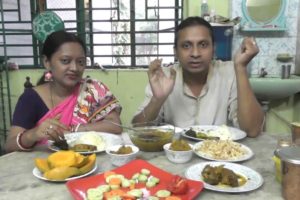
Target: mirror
(263, 15)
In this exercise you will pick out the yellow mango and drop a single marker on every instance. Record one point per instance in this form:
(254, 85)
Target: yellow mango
(42, 164)
(80, 160)
(61, 173)
(62, 158)
(89, 165)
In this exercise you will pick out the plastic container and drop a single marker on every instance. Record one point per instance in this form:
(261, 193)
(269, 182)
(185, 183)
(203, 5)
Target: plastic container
(296, 133)
(290, 172)
(285, 71)
(223, 41)
(282, 142)
(204, 10)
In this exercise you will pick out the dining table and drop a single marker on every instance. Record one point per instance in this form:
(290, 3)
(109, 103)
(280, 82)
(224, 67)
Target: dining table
(17, 181)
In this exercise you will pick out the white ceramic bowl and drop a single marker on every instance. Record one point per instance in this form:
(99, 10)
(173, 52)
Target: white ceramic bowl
(178, 156)
(121, 159)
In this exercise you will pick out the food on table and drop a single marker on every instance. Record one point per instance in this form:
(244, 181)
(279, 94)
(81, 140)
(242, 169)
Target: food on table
(89, 165)
(62, 158)
(64, 164)
(163, 193)
(92, 138)
(200, 135)
(61, 144)
(222, 133)
(123, 150)
(151, 139)
(178, 185)
(180, 145)
(42, 164)
(61, 173)
(219, 175)
(117, 186)
(221, 149)
(87, 142)
(83, 147)
(172, 198)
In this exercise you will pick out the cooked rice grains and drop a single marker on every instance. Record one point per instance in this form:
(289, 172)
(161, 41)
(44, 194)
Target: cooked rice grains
(221, 149)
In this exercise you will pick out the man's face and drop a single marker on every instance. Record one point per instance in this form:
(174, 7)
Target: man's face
(194, 49)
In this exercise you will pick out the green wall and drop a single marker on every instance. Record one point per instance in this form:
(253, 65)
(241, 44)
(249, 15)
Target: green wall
(128, 86)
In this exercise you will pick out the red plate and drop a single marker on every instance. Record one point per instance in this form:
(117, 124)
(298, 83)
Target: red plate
(79, 187)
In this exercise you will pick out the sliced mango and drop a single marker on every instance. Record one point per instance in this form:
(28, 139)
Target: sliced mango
(42, 164)
(61, 173)
(62, 158)
(89, 165)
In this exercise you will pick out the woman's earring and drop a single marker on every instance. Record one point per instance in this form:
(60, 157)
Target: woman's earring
(48, 76)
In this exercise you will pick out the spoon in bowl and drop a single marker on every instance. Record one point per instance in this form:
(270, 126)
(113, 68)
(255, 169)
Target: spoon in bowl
(122, 126)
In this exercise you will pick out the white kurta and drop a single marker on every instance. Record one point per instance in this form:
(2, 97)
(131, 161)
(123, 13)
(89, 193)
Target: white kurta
(216, 105)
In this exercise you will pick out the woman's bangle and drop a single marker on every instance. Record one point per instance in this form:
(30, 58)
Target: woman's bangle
(77, 127)
(19, 142)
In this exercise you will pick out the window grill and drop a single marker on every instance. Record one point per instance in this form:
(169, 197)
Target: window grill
(118, 33)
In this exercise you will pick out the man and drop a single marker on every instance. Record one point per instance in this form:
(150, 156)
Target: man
(200, 90)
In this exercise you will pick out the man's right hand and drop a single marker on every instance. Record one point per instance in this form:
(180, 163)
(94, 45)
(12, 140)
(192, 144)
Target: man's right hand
(161, 84)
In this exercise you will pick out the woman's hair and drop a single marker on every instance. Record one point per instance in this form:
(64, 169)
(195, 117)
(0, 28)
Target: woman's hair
(193, 21)
(54, 41)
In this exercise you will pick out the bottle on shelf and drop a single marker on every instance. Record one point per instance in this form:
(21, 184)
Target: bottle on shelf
(212, 16)
(204, 10)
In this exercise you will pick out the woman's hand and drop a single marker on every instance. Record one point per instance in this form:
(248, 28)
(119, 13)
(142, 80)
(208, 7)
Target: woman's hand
(52, 129)
(247, 51)
(161, 84)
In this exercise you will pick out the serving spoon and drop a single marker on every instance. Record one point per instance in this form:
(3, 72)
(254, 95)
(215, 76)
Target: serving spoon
(120, 125)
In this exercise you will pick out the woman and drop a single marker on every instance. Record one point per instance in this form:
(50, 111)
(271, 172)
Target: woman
(66, 103)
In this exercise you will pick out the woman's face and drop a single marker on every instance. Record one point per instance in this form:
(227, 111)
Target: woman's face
(194, 48)
(67, 64)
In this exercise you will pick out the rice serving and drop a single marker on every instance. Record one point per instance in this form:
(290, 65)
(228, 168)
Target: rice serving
(221, 149)
(92, 138)
(222, 132)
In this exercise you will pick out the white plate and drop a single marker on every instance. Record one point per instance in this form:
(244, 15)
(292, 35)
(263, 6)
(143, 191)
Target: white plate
(254, 179)
(109, 138)
(249, 153)
(178, 130)
(37, 173)
(236, 134)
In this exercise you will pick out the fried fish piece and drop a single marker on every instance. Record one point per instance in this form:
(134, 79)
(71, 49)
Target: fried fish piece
(83, 147)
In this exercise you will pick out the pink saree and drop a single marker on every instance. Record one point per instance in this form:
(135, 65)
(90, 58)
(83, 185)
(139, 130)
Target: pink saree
(91, 101)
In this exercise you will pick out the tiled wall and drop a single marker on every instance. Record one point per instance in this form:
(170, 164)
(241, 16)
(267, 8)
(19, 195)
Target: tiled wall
(270, 43)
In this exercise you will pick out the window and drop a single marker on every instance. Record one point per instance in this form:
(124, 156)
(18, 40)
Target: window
(118, 33)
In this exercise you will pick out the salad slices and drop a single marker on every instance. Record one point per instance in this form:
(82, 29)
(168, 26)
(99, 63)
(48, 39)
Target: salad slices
(118, 187)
